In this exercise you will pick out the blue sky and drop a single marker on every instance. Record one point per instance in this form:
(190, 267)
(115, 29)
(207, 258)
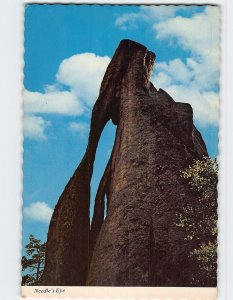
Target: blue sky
(67, 50)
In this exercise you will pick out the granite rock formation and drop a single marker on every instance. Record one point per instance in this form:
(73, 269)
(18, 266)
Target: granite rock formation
(137, 244)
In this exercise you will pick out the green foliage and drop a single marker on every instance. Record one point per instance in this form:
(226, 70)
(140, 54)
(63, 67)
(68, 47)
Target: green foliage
(33, 262)
(199, 219)
(203, 176)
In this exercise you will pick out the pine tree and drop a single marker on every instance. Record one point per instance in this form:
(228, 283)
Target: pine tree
(33, 261)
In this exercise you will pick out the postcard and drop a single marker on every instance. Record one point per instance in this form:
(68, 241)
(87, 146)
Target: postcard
(121, 116)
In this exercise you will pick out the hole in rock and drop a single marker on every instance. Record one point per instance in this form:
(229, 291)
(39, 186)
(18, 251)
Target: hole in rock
(105, 207)
(103, 154)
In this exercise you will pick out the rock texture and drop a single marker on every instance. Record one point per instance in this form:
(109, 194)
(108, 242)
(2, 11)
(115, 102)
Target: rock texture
(137, 244)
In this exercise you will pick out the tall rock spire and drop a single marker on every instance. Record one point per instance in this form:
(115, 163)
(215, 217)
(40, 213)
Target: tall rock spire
(138, 243)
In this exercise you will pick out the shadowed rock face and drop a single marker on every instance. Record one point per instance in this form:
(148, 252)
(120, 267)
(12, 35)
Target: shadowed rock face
(137, 244)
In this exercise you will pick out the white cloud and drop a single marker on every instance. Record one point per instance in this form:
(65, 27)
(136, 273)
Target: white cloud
(175, 70)
(81, 128)
(179, 80)
(83, 73)
(128, 20)
(38, 211)
(199, 33)
(204, 104)
(52, 102)
(146, 13)
(196, 79)
(161, 12)
(34, 127)
(182, 82)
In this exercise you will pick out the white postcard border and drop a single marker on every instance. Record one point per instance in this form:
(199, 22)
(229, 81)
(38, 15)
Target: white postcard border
(11, 61)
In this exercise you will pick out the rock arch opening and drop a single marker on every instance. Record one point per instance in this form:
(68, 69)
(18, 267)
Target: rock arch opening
(103, 154)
